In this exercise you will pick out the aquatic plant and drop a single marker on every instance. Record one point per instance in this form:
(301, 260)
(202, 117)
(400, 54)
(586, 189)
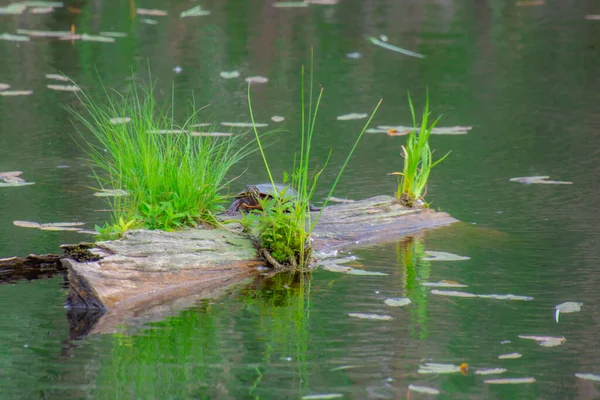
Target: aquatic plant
(283, 228)
(418, 159)
(171, 177)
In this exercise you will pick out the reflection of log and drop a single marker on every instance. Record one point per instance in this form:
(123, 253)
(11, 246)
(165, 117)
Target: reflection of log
(31, 267)
(140, 273)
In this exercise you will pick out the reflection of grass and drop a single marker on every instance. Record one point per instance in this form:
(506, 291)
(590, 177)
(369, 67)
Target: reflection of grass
(173, 179)
(418, 159)
(284, 227)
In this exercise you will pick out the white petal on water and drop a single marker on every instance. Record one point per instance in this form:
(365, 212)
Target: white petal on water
(277, 118)
(443, 284)
(437, 368)
(16, 92)
(351, 116)
(388, 46)
(58, 77)
(538, 179)
(194, 12)
(290, 4)
(505, 297)
(323, 396)
(154, 13)
(423, 389)
(4, 86)
(452, 293)
(490, 371)
(509, 381)
(589, 377)
(27, 224)
(216, 134)
(443, 256)
(257, 79)
(64, 88)
(356, 55)
(14, 38)
(374, 317)
(510, 356)
(229, 74)
(243, 124)
(14, 184)
(119, 120)
(111, 193)
(114, 34)
(397, 302)
(546, 341)
(569, 307)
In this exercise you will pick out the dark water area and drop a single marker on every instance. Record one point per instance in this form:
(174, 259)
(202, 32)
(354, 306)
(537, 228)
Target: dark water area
(525, 77)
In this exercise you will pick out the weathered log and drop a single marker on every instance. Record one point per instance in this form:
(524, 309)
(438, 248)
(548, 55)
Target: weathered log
(140, 273)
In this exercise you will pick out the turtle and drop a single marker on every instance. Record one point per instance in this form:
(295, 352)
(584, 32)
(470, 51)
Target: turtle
(249, 198)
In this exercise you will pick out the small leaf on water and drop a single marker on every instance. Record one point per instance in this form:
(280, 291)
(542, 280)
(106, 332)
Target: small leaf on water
(452, 293)
(58, 77)
(509, 356)
(290, 4)
(16, 92)
(355, 55)
(323, 396)
(257, 79)
(569, 307)
(148, 21)
(374, 317)
(351, 116)
(443, 284)
(120, 120)
(589, 377)
(505, 297)
(229, 74)
(114, 34)
(538, 179)
(490, 371)
(64, 88)
(14, 184)
(423, 389)
(443, 256)
(14, 38)
(397, 302)
(4, 86)
(243, 124)
(111, 192)
(194, 12)
(277, 118)
(437, 368)
(509, 381)
(154, 13)
(546, 341)
(27, 224)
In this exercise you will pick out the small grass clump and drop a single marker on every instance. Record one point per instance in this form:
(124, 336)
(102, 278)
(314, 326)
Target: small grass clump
(418, 160)
(284, 223)
(172, 179)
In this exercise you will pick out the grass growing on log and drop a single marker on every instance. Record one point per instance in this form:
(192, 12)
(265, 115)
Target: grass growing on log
(284, 226)
(172, 179)
(418, 159)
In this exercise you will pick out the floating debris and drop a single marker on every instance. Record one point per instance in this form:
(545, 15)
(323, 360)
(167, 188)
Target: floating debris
(443, 256)
(13, 184)
(509, 381)
(277, 118)
(510, 356)
(86, 232)
(423, 389)
(388, 46)
(14, 38)
(64, 88)
(505, 342)
(114, 34)
(354, 271)
(194, 12)
(384, 38)
(593, 17)
(148, 21)
(373, 317)
(400, 130)
(13, 9)
(351, 116)
(530, 3)
(243, 124)
(58, 77)
(356, 55)
(443, 283)
(397, 302)
(338, 200)
(290, 4)
(344, 367)
(490, 371)
(216, 134)
(229, 74)
(27, 224)
(177, 69)
(11, 179)
(257, 79)
(436, 368)
(16, 92)
(151, 12)
(453, 293)
(33, 3)
(323, 396)
(567, 308)
(111, 193)
(589, 377)
(538, 179)
(200, 125)
(35, 33)
(42, 10)
(167, 131)
(546, 341)
(51, 226)
(120, 120)
(88, 38)
(4, 86)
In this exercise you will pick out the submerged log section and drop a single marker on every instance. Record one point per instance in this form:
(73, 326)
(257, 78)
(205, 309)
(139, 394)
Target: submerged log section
(148, 268)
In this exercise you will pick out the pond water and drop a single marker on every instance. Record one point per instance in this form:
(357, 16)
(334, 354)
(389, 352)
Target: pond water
(524, 75)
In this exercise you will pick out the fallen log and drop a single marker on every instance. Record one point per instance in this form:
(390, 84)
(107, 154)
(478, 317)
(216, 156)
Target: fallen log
(145, 271)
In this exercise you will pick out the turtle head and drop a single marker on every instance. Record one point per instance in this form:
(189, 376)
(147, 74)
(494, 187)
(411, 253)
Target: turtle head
(253, 192)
